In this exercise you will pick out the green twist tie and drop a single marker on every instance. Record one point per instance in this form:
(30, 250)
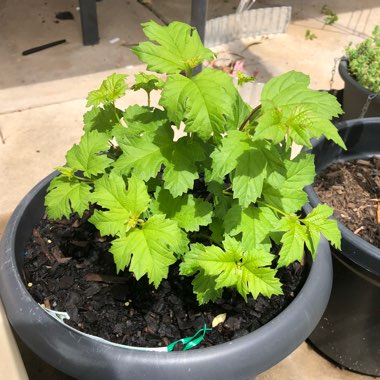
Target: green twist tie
(191, 341)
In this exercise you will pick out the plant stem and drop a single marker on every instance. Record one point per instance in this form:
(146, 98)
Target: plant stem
(148, 92)
(246, 120)
(83, 179)
(228, 193)
(273, 208)
(115, 111)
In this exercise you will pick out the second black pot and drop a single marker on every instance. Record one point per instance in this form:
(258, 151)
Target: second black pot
(349, 331)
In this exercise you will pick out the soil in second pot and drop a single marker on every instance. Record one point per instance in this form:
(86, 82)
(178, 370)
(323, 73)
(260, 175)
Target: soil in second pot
(68, 268)
(352, 188)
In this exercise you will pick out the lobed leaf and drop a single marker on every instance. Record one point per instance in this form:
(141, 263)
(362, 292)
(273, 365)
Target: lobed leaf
(290, 108)
(124, 206)
(201, 102)
(249, 176)
(225, 157)
(179, 48)
(66, 195)
(149, 250)
(147, 82)
(293, 247)
(111, 89)
(247, 271)
(189, 212)
(145, 157)
(89, 155)
(141, 120)
(318, 222)
(254, 224)
(102, 119)
(205, 288)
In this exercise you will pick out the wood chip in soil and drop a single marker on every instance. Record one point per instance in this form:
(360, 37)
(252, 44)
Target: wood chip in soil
(352, 188)
(80, 278)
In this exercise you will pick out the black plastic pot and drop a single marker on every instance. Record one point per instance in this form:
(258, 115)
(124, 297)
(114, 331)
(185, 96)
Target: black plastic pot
(349, 331)
(355, 95)
(84, 357)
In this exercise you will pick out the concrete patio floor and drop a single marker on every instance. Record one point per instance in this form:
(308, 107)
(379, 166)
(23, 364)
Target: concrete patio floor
(42, 99)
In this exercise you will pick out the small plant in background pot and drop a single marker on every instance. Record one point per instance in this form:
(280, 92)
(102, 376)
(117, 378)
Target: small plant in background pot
(201, 190)
(360, 71)
(364, 61)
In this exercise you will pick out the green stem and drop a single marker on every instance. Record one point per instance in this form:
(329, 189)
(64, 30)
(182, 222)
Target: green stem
(148, 92)
(115, 111)
(83, 179)
(252, 113)
(273, 208)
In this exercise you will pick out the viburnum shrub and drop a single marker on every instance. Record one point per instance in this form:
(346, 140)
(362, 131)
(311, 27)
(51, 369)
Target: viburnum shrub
(222, 198)
(364, 61)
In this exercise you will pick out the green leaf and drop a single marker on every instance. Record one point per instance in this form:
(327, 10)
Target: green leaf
(300, 171)
(149, 250)
(318, 222)
(141, 119)
(111, 89)
(181, 170)
(205, 288)
(286, 199)
(249, 176)
(254, 223)
(276, 171)
(225, 157)
(201, 102)
(293, 247)
(247, 271)
(286, 192)
(145, 157)
(290, 108)
(258, 280)
(239, 108)
(101, 119)
(147, 82)
(89, 156)
(179, 48)
(242, 78)
(66, 195)
(124, 206)
(189, 212)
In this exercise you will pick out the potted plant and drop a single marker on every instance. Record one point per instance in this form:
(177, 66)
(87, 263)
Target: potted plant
(217, 207)
(360, 71)
(348, 332)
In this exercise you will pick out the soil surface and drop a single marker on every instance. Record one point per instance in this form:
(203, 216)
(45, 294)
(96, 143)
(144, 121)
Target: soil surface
(353, 189)
(68, 268)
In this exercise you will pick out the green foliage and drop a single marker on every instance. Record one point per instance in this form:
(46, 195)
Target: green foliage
(330, 16)
(221, 197)
(111, 89)
(232, 266)
(364, 61)
(242, 78)
(309, 35)
(179, 48)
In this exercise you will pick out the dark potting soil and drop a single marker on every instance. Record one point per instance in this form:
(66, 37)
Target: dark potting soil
(353, 189)
(68, 268)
